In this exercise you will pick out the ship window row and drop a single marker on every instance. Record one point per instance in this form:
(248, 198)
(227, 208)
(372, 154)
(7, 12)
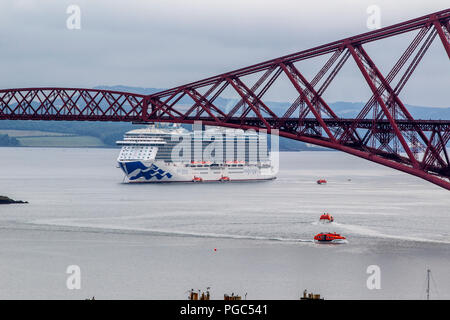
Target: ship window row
(196, 135)
(136, 152)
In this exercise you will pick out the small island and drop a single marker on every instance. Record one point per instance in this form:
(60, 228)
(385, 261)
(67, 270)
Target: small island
(6, 200)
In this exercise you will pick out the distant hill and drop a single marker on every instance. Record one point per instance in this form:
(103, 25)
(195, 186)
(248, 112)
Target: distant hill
(107, 133)
(341, 108)
(351, 109)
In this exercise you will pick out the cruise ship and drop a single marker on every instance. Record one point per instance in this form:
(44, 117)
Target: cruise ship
(171, 153)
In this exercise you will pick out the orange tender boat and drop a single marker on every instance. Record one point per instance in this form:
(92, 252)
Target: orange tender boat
(326, 217)
(328, 237)
(197, 179)
(224, 179)
(321, 181)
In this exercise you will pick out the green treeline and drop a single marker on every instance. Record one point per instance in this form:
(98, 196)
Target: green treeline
(107, 132)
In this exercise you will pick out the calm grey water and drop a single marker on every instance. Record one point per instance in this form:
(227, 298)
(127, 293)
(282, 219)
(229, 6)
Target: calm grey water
(157, 240)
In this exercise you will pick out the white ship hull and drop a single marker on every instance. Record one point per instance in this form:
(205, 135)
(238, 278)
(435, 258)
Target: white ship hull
(160, 171)
(173, 154)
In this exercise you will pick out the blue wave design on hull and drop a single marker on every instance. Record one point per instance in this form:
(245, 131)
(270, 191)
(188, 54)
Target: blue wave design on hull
(136, 170)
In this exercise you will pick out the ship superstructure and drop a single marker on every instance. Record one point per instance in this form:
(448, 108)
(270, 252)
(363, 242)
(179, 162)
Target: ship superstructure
(171, 153)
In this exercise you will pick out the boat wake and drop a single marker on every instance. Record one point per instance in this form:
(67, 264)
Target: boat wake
(75, 226)
(366, 231)
(72, 225)
(361, 230)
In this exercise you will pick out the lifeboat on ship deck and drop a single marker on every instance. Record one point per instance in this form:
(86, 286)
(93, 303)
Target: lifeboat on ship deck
(224, 179)
(321, 181)
(197, 179)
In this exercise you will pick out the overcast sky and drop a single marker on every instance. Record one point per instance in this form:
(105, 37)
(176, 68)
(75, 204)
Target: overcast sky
(164, 43)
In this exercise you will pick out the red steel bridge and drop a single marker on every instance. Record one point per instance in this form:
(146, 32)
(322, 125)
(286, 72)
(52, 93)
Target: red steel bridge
(383, 132)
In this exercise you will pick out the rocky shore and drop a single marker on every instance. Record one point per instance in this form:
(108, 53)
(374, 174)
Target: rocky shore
(6, 200)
